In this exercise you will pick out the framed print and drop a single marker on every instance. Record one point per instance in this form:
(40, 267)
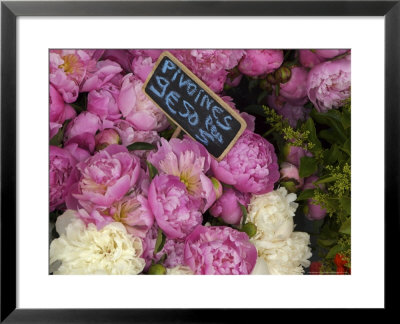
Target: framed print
(196, 137)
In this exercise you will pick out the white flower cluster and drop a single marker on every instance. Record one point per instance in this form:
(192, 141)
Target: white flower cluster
(85, 250)
(280, 250)
(179, 270)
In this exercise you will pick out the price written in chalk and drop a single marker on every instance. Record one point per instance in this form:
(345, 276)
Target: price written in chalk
(194, 107)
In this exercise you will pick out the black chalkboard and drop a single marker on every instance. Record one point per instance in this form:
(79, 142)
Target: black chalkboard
(194, 107)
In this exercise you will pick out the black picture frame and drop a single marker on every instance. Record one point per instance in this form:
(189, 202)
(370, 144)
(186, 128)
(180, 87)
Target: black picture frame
(11, 10)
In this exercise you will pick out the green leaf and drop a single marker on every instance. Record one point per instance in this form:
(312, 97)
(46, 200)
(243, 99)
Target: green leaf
(325, 179)
(308, 166)
(306, 194)
(310, 126)
(347, 146)
(345, 203)
(346, 119)
(57, 139)
(141, 146)
(333, 251)
(326, 242)
(244, 213)
(152, 170)
(346, 227)
(331, 118)
(329, 135)
(331, 155)
(159, 242)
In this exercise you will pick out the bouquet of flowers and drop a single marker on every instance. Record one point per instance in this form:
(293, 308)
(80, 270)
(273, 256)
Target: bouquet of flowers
(129, 197)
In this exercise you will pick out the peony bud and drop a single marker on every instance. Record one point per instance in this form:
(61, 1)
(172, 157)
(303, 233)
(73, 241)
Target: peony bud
(157, 269)
(107, 137)
(250, 229)
(293, 154)
(217, 187)
(283, 74)
(290, 173)
(313, 211)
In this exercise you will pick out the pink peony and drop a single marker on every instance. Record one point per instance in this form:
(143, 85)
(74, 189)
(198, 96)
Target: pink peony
(250, 166)
(103, 102)
(295, 90)
(219, 250)
(59, 111)
(174, 250)
(61, 167)
(175, 211)
(106, 178)
(328, 84)
(104, 72)
(137, 108)
(309, 59)
(77, 152)
(153, 53)
(122, 57)
(188, 160)
(330, 53)
(210, 65)
(84, 123)
(142, 66)
(134, 212)
(260, 62)
(227, 206)
(67, 70)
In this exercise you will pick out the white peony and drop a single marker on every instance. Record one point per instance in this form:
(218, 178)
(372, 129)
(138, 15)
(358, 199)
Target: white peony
(289, 256)
(179, 270)
(272, 213)
(86, 250)
(261, 267)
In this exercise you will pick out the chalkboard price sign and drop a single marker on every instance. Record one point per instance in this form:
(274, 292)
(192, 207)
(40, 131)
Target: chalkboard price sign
(194, 107)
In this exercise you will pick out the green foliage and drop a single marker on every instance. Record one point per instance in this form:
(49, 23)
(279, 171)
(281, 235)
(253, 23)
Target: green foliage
(328, 137)
(141, 146)
(152, 170)
(308, 165)
(160, 241)
(244, 213)
(57, 140)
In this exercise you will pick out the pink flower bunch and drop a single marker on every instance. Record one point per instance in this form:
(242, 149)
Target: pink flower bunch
(219, 250)
(106, 177)
(227, 206)
(62, 164)
(250, 166)
(175, 211)
(211, 66)
(189, 161)
(260, 62)
(328, 84)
